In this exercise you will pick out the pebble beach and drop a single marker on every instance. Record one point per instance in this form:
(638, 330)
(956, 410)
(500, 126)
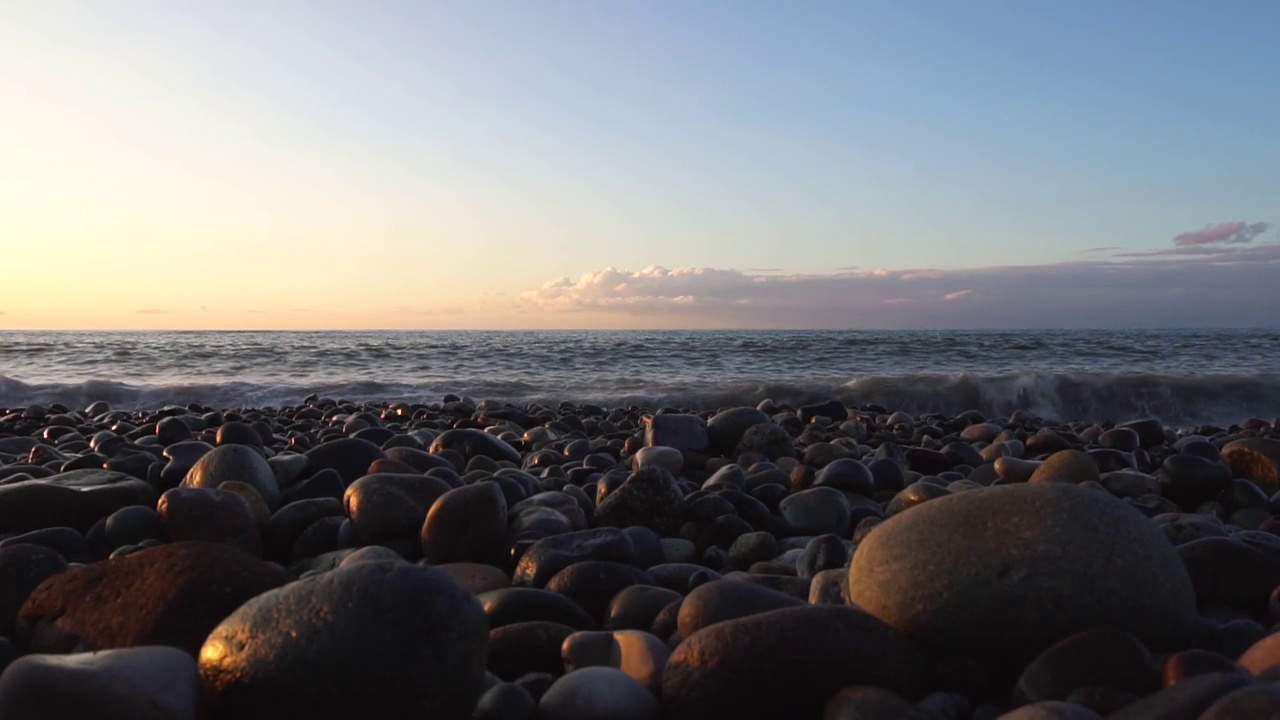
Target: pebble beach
(462, 559)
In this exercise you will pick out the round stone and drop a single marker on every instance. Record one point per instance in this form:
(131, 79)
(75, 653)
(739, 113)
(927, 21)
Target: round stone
(597, 693)
(467, 524)
(1060, 560)
(235, 462)
(1066, 466)
(141, 683)
(650, 497)
(405, 639)
(817, 511)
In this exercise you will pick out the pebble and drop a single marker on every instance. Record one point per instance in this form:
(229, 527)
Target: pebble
(137, 683)
(240, 463)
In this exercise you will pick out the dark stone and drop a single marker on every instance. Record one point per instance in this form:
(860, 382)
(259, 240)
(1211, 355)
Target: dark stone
(505, 701)
(506, 606)
(526, 647)
(22, 569)
(324, 484)
(405, 639)
(650, 498)
(1192, 481)
(475, 443)
(467, 524)
(1256, 701)
(1235, 573)
(1103, 657)
(387, 507)
(151, 683)
(637, 606)
(848, 475)
(214, 516)
(593, 583)
(167, 595)
(131, 525)
(1187, 664)
(76, 499)
(825, 552)
(349, 457)
(727, 427)
(65, 541)
(287, 523)
(722, 600)
(598, 692)
(767, 439)
(239, 463)
(1256, 459)
(1150, 431)
(550, 555)
(784, 663)
(817, 511)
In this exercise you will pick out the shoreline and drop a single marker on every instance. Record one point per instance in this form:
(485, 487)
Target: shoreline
(671, 562)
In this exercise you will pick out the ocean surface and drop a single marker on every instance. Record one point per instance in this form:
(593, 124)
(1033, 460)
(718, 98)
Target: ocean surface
(1184, 377)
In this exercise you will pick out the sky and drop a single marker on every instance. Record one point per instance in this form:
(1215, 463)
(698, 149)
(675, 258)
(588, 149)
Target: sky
(553, 164)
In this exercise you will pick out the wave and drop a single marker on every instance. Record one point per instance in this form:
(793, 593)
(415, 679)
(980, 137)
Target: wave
(1176, 400)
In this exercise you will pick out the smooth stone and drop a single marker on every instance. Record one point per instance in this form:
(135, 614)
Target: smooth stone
(257, 506)
(1255, 701)
(1231, 572)
(213, 516)
(520, 648)
(682, 432)
(510, 605)
(1129, 483)
(592, 584)
(235, 462)
(139, 683)
(658, 456)
(817, 511)
(65, 541)
(349, 457)
(784, 663)
(166, 595)
(679, 576)
(1262, 655)
(1015, 470)
(650, 497)
(324, 484)
(641, 655)
(1066, 466)
(981, 432)
(678, 550)
(1031, 579)
(387, 507)
(914, 494)
(1256, 459)
(727, 427)
(288, 468)
(829, 587)
(471, 443)
(505, 701)
(721, 600)
(825, 552)
(1051, 710)
(284, 527)
(597, 693)
(635, 607)
(1192, 481)
(77, 499)
(1182, 528)
(861, 702)
(22, 569)
(1188, 664)
(550, 555)
(405, 639)
(1102, 657)
(848, 475)
(131, 525)
(467, 524)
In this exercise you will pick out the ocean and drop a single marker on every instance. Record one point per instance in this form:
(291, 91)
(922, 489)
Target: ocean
(1183, 377)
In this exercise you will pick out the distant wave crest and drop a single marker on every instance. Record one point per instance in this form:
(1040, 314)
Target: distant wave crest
(1179, 400)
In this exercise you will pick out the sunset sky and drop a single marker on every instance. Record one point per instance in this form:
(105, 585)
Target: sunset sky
(879, 163)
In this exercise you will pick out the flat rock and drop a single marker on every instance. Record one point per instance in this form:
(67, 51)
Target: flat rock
(77, 499)
(472, 443)
(167, 595)
(1062, 559)
(139, 683)
(679, 431)
(405, 639)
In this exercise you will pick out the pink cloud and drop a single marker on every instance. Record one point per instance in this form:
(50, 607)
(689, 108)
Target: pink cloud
(1227, 232)
(1231, 286)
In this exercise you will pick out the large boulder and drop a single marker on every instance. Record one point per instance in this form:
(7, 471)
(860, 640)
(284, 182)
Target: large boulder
(167, 595)
(467, 524)
(1013, 568)
(240, 463)
(682, 432)
(77, 499)
(350, 457)
(784, 663)
(386, 639)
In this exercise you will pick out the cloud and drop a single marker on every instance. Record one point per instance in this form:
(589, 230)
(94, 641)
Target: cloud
(1229, 286)
(764, 270)
(1227, 232)
(256, 312)
(204, 308)
(151, 311)
(301, 310)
